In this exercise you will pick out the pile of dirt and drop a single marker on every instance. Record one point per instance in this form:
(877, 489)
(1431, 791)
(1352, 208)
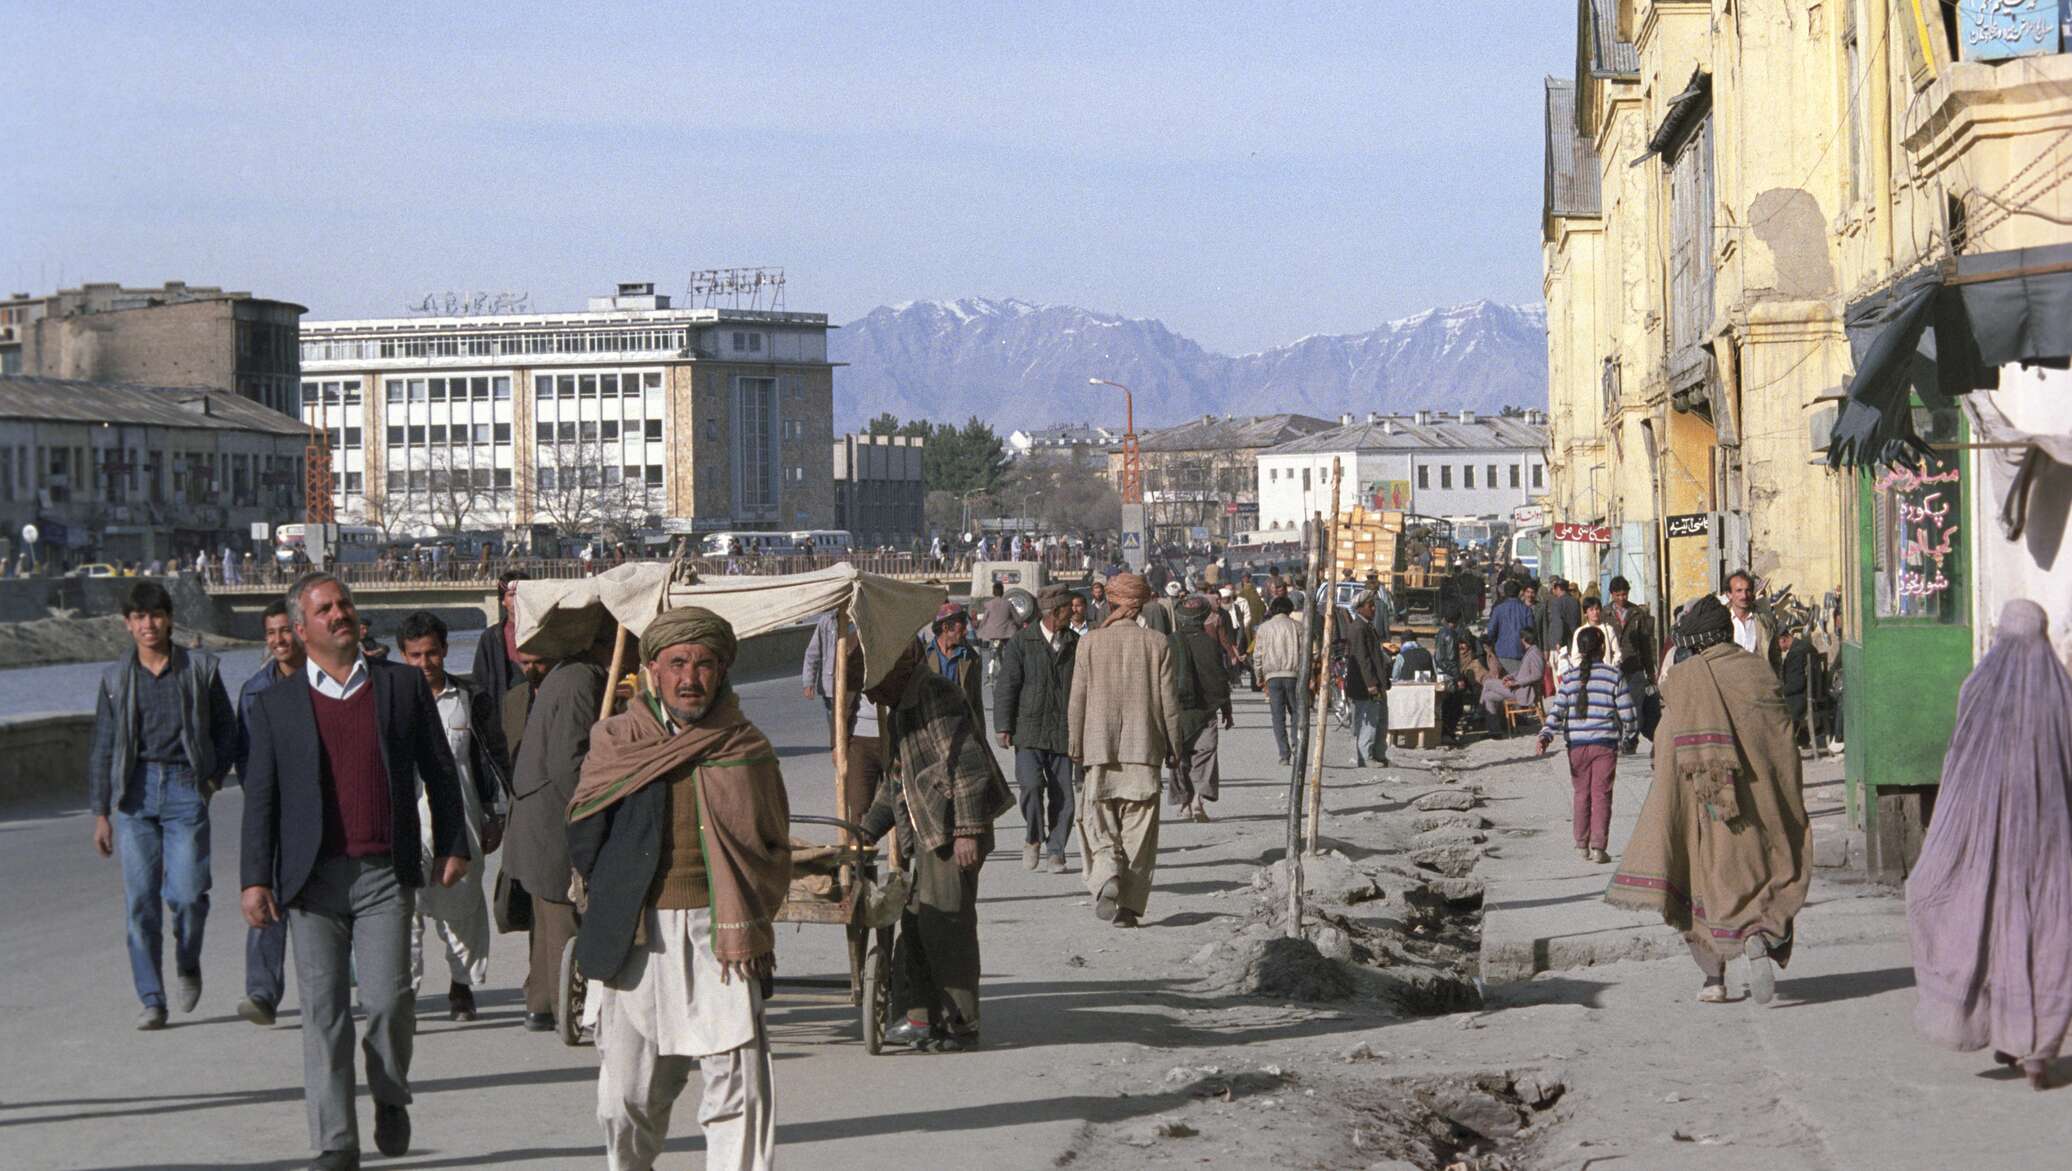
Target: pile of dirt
(44, 641)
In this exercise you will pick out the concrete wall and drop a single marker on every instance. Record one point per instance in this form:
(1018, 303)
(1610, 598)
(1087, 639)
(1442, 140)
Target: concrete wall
(25, 599)
(43, 757)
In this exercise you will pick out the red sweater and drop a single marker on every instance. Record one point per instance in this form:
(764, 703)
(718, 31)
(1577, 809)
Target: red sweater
(358, 822)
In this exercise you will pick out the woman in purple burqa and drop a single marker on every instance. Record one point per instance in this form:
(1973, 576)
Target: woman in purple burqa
(1989, 904)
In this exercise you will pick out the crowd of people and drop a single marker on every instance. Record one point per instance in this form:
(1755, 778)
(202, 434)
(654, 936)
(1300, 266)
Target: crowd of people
(657, 840)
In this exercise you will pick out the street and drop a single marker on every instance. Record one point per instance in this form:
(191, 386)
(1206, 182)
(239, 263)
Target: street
(1106, 1048)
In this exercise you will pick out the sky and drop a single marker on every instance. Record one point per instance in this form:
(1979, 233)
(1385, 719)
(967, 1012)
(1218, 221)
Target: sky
(1247, 173)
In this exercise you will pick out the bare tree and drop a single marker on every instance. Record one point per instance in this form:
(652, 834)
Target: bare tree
(459, 490)
(580, 490)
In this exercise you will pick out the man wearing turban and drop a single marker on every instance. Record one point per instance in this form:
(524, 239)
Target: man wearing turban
(1124, 722)
(678, 827)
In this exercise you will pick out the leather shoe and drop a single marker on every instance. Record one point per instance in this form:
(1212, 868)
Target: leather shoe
(256, 1011)
(336, 1161)
(460, 1002)
(391, 1129)
(539, 1022)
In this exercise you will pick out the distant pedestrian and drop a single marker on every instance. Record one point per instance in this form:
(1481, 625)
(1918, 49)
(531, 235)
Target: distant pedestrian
(266, 946)
(1635, 628)
(164, 736)
(1125, 721)
(1511, 618)
(1593, 712)
(1516, 686)
(1097, 605)
(1722, 849)
(1202, 686)
(1753, 629)
(1029, 708)
(1367, 671)
(943, 792)
(1077, 621)
(331, 839)
(1987, 899)
(1277, 659)
(951, 657)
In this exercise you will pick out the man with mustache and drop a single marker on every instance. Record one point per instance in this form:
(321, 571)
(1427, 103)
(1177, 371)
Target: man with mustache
(331, 837)
(678, 827)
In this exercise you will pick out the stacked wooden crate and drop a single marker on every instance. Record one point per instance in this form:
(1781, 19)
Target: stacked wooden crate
(1367, 542)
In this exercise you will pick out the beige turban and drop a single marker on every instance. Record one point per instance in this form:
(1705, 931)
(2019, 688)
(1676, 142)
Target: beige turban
(1127, 593)
(689, 624)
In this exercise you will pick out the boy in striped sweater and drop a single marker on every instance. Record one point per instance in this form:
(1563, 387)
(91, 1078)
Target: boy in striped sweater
(1594, 710)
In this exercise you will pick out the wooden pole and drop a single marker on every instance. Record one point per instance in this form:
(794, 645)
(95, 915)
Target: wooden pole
(1327, 556)
(841, 745)
(1298, 766)
(611, 678)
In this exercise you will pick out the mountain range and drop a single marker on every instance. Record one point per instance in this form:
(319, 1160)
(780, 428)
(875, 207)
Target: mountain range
(1018, 364)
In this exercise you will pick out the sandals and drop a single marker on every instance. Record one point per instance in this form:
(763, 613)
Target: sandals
(1107, 901)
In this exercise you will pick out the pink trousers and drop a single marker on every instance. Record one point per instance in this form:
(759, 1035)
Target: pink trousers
(1590, 770)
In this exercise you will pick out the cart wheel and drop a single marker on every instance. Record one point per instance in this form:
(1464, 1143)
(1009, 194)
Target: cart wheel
(569, 997)
(877, 992)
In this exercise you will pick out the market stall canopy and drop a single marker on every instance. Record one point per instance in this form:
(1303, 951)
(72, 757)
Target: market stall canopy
(563, 617)
(1945, 332)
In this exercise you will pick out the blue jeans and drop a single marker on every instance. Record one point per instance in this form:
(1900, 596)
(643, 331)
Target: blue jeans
(1370, 722)
(162, 829)
(1280, 699)
(1046, 778)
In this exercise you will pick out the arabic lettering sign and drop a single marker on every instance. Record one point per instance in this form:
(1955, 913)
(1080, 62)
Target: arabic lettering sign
(1918, 514)
(1688, 524)
(1994, 30)
(1590, 534)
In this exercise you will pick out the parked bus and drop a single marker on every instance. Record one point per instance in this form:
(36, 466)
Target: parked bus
(357, 544)
(743, 544)
(821, 542)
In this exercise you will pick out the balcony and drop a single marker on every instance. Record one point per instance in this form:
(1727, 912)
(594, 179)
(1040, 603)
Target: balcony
(1998, 131)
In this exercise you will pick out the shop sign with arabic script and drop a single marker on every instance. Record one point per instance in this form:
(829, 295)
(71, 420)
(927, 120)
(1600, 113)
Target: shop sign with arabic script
(1919, 554)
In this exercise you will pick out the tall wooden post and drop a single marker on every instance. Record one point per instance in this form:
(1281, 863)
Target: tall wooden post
(1326, 560)
(611, 679)
(842, 644)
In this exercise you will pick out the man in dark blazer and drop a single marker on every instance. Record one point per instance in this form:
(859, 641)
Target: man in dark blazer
(331, 836)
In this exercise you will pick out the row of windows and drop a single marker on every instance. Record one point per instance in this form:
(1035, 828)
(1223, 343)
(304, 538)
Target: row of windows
(614, 341)
(440, 434)
(592, 476)
(439, 390)
(593, 385)
(446, 479)
(332, 392)
(589, 430)
(1467, 476)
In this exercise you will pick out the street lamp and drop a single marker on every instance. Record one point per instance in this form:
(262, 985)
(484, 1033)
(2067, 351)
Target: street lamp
(1132, 465)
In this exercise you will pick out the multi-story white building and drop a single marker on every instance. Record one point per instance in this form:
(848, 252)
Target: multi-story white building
(615, 418)
(1455, 466)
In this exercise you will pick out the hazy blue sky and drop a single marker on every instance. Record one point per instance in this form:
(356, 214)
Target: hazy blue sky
(1248, 173)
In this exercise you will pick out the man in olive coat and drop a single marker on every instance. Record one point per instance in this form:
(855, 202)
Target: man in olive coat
(1029, 702)
(543, 778)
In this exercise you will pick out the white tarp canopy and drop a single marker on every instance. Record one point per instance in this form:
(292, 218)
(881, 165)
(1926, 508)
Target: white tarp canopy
(563, 617)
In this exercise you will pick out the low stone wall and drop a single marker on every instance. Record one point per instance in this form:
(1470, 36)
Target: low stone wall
(43, 758)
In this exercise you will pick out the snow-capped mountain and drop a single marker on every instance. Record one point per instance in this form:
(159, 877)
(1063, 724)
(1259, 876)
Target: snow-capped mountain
(1014, 363)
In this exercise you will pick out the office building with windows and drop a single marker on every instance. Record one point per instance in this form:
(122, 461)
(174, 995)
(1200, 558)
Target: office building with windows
(1457, 466)
(623, 417)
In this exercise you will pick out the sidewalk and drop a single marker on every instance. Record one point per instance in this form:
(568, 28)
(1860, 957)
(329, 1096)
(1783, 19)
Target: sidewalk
(1830, 1075)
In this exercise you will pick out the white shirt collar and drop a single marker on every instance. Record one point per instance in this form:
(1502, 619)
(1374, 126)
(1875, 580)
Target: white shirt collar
(330, 688)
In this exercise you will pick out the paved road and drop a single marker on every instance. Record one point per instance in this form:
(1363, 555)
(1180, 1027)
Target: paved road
(80, 1088)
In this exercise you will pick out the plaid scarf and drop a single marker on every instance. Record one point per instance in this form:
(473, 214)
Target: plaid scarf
(945, 772)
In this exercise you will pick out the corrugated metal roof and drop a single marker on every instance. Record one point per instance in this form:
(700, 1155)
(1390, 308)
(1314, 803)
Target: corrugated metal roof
(1400, 432)
(1574, 184)
(1219, 433)
(1609, 56)
(75, 401)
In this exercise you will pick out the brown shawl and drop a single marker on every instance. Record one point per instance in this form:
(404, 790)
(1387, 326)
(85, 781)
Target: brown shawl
(743, 811)
(1722, 849)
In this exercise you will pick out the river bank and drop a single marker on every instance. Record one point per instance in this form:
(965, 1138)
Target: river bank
(49, 641)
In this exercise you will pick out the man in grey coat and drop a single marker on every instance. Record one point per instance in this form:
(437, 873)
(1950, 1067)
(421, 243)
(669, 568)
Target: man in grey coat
(543, 779)
(1029, 703)
(164, 736)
